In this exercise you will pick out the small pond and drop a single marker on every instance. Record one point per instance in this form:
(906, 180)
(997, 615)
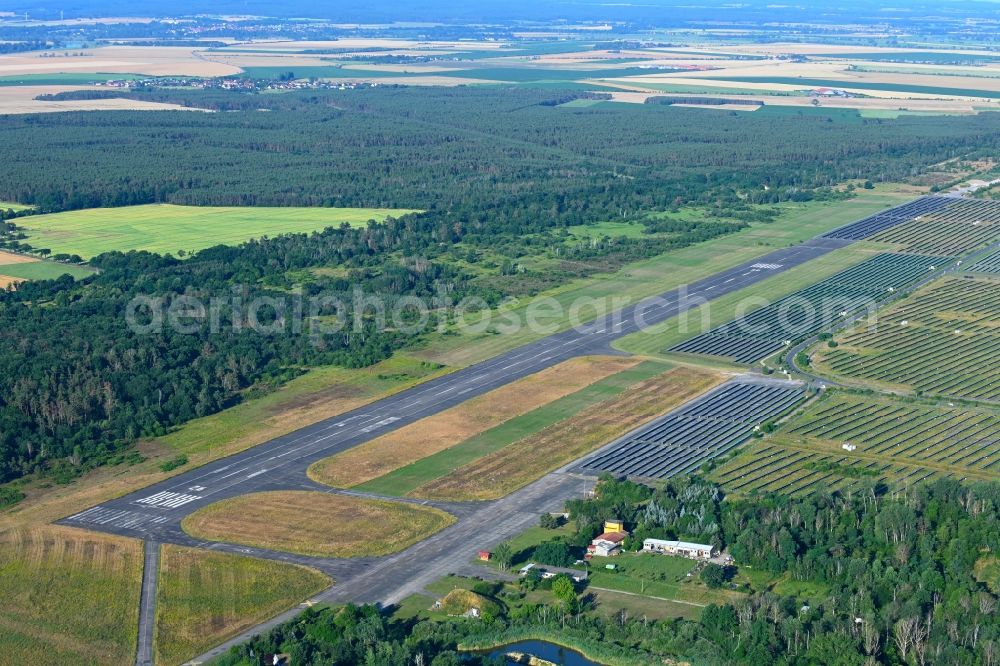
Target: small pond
(548, 651)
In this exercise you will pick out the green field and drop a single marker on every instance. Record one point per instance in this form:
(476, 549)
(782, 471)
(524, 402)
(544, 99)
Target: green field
(403, 480)
(43, 270)
(14, 206)
(204, 597)
(654, 575)
(167, 228)
(861, 85)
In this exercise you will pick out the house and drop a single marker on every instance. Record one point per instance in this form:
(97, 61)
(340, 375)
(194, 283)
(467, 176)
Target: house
(694, 551)
(485, 555)
(607, 544)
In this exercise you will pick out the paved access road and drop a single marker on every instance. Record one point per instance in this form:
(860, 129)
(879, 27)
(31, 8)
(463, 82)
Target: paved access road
(156, 511)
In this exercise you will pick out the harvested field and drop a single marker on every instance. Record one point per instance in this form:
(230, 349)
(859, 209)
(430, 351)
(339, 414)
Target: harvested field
(315, 523)
(204, 597)
(526, 460)
(7, 258)
(150, 60)
(7, 281)
(21, 99)
(69, 596)
(450, 427)
(942, 340)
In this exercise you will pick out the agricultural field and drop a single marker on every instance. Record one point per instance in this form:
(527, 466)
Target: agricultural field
(205, 597)
(766, 330)
(315, 523)
(897, 443)
(942, 340)
(15, 268)
(446, 429)
(701, 430)
(503, 471)
(69, 596)
(166, 228)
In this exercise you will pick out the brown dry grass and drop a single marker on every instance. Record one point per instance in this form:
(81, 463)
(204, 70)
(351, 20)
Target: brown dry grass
(151, 60)
(204, 598)
(21, 99)
(524, 461)
(69, 596)
(315, 523)
(7, 258)
(450, 427)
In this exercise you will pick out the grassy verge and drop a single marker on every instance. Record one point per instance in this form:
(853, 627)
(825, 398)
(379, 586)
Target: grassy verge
(504, 471)
(408, 478)
(314, 523)
(69, 597)
(655, 340)
(437, 434)
(798, 222)
(204, 598)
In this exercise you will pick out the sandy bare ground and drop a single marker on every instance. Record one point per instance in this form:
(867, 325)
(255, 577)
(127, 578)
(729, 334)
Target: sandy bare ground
(21, 99)
(6, 281)
(150, 60)
(8, 258)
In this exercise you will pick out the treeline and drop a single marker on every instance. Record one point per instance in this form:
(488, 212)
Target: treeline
(891, 580)
(498, 173)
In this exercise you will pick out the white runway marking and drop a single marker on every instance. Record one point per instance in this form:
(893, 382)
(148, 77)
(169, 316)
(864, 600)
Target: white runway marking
(168, 500)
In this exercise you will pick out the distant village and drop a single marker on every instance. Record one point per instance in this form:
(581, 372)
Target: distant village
(236, 83)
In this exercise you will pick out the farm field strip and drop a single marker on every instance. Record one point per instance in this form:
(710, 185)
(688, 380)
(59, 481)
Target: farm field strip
(704, 429)
(810, 310)
(955, 325)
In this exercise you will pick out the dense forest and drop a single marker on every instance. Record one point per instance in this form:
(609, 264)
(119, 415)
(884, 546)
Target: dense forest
(899, 575)
(498, 172)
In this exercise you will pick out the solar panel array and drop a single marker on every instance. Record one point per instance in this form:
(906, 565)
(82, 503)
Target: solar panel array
(887, 219)
(810, 310)
(990, 264)
(682, 440)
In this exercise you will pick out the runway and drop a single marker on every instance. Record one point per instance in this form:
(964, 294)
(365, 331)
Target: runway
(156, 512)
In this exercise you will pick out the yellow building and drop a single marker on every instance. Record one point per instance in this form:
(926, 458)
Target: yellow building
(614, 526)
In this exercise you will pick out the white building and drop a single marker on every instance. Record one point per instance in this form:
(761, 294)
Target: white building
(694, 551)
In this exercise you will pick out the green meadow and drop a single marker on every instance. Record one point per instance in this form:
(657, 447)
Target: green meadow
(167, 228)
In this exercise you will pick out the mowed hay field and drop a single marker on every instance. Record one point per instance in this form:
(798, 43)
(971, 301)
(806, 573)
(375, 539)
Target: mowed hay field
(204, 598)
(528, 459)
(167, 228)
(68, 597)
(315, 523)
(450, 427)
